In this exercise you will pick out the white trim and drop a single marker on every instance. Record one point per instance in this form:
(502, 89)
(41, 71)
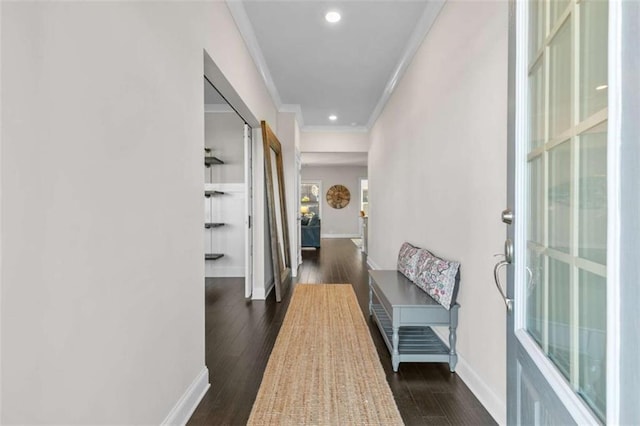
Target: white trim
(339, 235)
(248, 211)
(613, 212)
(372, 264)
(1, 254)
(487, 397)
(567, 396)
(246, 31)
(213, 108)
(261, 293)
(186, 405)
(334, 129)
(420, 32)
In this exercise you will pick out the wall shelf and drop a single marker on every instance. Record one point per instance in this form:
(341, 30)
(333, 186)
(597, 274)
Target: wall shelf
(213, 256)
(210, 193)
(208, 225)
(210, 161)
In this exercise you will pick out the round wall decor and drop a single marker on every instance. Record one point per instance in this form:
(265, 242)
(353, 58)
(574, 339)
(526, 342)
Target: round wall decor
(338, 196)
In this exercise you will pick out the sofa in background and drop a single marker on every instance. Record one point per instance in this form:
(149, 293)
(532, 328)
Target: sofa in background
(310, 232)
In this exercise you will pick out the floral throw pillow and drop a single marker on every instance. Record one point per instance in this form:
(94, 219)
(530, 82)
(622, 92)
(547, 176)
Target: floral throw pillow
(407, 261)
(439, 278)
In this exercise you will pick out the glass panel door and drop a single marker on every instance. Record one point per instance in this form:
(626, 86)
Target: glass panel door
(310, 203)
(560, 275)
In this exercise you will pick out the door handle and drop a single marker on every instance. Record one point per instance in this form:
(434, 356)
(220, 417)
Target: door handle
(496, 276)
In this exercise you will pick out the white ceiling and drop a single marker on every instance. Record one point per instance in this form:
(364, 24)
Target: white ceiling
(348, 69)
(334, 158)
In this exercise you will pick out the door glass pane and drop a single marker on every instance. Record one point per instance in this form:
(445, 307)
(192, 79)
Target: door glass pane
(559, 199)
(310, 200)
(535, 294)
(593, 195)
(557, 8)
(593, 340)
(566, 230)
(593, 56)
(536, 106)
(559, 314)
(536, 209)
(536, 25)
(560, 81)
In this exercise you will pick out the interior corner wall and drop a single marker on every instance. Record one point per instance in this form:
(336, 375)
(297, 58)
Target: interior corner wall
(338, 223)
(437, 175)
(287, 135)
(102, 318)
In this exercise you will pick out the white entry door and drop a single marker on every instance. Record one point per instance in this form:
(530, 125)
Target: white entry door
(556, 251)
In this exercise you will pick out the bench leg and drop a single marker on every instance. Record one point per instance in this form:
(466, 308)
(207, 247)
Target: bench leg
(453, 357)
(395, 356)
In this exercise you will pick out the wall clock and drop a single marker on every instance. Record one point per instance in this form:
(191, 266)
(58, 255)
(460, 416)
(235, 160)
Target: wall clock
(338, 196)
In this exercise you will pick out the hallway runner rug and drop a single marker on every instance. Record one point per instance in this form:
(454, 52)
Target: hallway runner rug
(324, 368)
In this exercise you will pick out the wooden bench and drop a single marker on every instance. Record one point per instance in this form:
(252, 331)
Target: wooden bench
(404, 314)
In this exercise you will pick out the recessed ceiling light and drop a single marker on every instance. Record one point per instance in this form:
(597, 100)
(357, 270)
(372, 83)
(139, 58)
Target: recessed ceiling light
(604, 86)
(332, 17)
(333, 117)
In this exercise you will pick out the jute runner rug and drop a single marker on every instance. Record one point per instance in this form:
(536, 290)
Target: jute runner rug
(324, 369)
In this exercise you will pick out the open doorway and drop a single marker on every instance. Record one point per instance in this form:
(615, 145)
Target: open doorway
(227, 191)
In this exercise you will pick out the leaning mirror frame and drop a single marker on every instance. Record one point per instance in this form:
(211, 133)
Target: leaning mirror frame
(279, 240)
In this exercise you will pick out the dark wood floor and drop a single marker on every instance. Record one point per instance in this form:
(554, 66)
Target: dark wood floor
(240, 335)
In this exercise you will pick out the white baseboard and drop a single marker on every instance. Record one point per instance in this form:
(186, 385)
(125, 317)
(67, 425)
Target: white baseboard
(262, 293)
(186, 405)
(487, 397)
(340, 236)
(372, 264)
(494, 405)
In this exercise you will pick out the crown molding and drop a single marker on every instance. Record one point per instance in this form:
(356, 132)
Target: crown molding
(420, 32)
(239, 14)
(334, 129)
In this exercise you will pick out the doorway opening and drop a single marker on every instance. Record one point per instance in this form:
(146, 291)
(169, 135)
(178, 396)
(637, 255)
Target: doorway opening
(227, 191)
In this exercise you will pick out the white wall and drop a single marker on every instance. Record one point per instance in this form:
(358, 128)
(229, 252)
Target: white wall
(224, 134)
(437, 175)
(334, 142)
(338, 222)
(102, 317)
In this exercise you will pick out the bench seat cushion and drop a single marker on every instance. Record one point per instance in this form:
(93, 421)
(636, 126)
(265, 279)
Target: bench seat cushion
(439, 278)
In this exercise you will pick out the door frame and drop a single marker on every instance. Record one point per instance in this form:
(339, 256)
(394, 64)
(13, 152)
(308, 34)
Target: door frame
(217, 79)
(624, 192)
(623, 175)
(248, 205)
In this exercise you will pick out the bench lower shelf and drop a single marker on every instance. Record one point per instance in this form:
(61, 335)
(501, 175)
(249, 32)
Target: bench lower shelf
(415, 344)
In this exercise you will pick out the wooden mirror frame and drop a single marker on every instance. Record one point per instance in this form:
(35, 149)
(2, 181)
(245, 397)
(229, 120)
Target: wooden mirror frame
(281, 272)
